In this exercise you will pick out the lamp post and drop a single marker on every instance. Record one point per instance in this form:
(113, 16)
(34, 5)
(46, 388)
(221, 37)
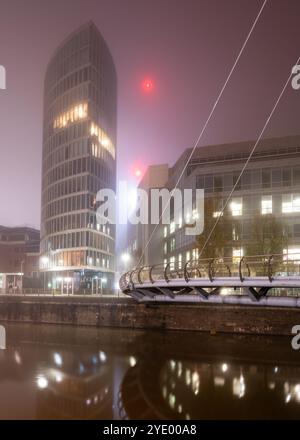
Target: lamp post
(22, 265)
(125, 257)
(44, 261)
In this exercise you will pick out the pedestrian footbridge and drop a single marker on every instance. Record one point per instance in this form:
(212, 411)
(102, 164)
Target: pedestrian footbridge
(260, 279)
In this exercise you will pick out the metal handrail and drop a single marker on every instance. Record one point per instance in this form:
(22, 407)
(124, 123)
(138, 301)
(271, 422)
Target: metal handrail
(264, 264)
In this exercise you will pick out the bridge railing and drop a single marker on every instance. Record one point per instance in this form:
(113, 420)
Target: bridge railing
(268, 266)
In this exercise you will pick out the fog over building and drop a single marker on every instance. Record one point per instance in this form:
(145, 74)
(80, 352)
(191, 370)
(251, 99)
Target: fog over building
(79, 158)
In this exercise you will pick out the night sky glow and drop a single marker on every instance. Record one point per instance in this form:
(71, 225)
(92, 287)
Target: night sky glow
(181, 54)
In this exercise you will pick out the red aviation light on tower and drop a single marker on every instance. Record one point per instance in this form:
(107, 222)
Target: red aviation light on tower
(147, 85)
(137, 171)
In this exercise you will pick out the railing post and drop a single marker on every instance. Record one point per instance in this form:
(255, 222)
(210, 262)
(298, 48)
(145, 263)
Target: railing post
(150, 274)
(211, 270)
(270, 271)
(165, 272)
(185, 271)
(240, 269)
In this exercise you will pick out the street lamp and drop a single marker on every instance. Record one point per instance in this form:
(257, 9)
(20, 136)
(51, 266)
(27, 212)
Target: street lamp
(125, 257)
(44, 261)
(22, 274)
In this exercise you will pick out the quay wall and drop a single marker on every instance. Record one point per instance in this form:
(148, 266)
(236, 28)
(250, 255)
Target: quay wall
(126, 313)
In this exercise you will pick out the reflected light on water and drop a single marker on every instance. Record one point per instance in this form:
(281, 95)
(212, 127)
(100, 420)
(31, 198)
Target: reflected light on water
(131, 376)
(42, 382)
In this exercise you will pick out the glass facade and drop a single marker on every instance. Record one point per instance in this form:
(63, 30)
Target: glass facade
(79, 158)
(269, 187)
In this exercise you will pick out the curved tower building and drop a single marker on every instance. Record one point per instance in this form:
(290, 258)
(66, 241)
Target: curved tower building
(79, 158)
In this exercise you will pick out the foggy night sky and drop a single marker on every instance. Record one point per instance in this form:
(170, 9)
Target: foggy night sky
(186, 47)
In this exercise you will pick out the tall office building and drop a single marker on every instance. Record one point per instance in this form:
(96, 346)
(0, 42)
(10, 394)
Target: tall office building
(79, 158)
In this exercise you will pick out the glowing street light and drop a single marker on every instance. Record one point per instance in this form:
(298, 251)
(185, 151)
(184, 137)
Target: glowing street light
(125, 257)
(44, 260)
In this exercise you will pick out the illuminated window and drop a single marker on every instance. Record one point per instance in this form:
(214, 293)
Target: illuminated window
(179, 261)
(172, 244)
(172, 227)
(188, 256)
(237, 254)
(236, 232)
(172, 263)
(74, 114)
(292, 253)
(237, 206)
(165, 247)
(165, 231)
(266, 205)
(217, 214)
(290, 203)
(195, 254)
(103, 139)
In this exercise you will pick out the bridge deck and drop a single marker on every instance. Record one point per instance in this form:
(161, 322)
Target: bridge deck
(255, 275)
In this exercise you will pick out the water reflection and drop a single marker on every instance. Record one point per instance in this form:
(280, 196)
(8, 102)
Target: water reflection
(96, 374)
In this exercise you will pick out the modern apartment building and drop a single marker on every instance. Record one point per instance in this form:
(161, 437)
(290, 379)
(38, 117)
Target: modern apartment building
(270, 185)
(79, 159)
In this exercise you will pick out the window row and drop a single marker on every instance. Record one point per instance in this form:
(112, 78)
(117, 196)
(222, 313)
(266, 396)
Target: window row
(71, 133)
(78, 259)
(78, 240)
(76, 221)
(248, 205)
(73, 80)
(251, 179)
(78, 166)
(291, 253)
(74, 114)
(68, 204)
(70, 151)
(62, 65)
(68, 169)
(66, 187)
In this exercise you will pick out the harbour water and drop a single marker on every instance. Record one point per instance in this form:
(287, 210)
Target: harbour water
(64, 372)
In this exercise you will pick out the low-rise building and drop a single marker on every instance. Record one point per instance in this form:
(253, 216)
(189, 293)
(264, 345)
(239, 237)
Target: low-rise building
(19, 258)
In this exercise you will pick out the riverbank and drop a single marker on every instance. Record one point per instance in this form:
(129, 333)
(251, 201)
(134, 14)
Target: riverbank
(126, 313)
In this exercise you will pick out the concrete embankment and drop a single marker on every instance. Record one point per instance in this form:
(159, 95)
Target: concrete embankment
(126, 313)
